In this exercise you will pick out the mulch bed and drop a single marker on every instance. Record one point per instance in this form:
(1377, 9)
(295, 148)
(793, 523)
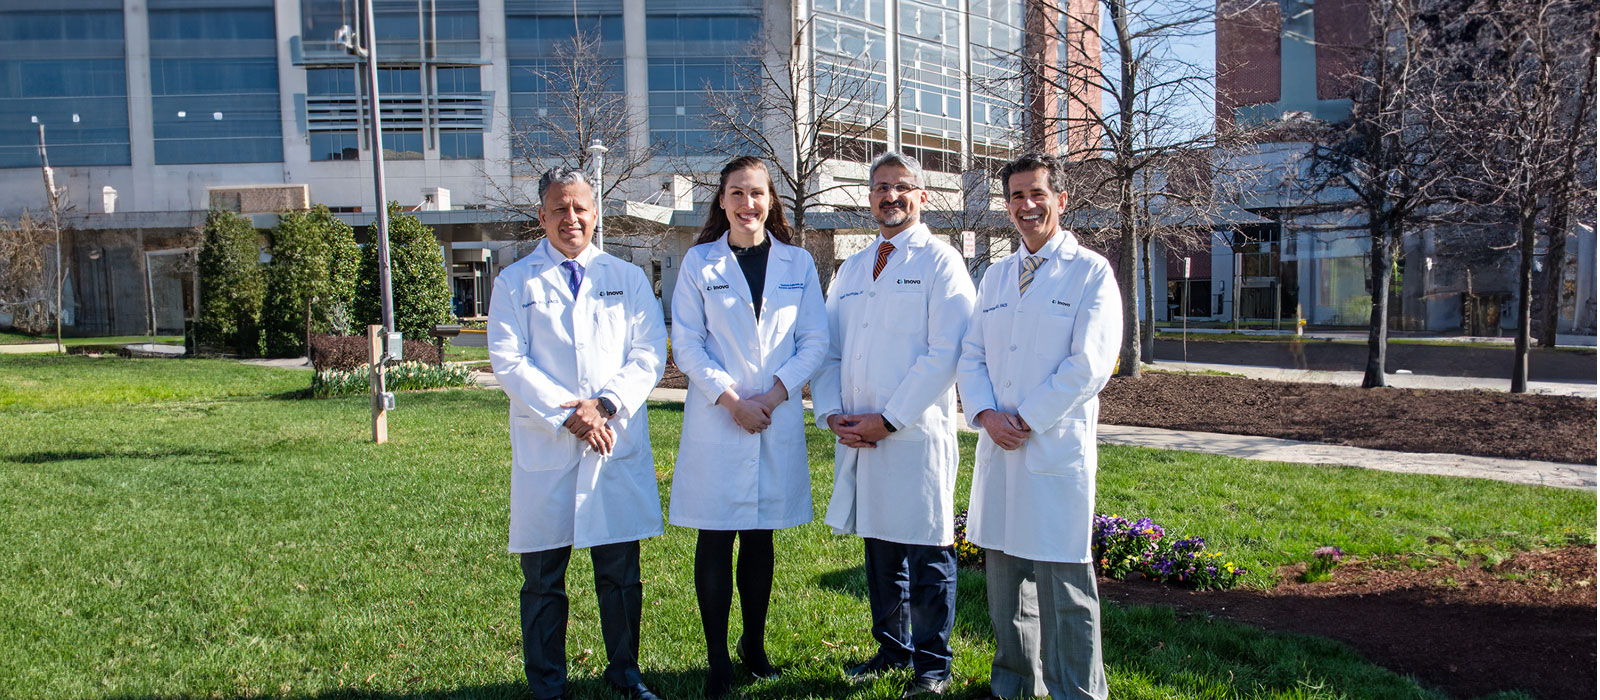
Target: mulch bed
(1482, 423)
(1526, 624)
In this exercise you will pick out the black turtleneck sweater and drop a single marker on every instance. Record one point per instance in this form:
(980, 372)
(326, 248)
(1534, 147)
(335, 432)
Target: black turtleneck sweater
(753, 261)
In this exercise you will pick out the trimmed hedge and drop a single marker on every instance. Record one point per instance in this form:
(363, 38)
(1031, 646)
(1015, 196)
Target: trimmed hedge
(310, 281)
(231, 285)
(346, 352)
(416, 270)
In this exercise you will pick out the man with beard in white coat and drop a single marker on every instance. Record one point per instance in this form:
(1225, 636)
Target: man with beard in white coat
(1042, 343)
(896, 314)
(577, 340)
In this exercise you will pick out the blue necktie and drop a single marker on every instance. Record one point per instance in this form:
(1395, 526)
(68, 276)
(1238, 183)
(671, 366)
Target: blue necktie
(574, 275)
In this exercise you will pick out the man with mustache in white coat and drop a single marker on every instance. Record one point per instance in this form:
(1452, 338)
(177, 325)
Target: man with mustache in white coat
(577, 340)
(897, 311)
(1042, 343)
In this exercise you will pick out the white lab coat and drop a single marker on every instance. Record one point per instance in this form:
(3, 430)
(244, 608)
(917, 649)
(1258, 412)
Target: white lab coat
(548, 348)
(893, 346)
(1044, 356)
(726, 478)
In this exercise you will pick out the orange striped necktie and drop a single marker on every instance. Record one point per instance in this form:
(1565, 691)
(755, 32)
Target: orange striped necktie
(884, 249)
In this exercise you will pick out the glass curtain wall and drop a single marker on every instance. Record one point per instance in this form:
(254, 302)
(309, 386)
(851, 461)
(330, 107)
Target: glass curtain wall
(430, 79)
(536, 30)
(695, 49)
(67, 68)
(851, 44)
(931, 82)
(996, 36)
(214, 82)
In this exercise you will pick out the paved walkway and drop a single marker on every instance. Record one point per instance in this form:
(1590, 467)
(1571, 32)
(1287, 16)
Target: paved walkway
(1402, 380)
(1580, 476)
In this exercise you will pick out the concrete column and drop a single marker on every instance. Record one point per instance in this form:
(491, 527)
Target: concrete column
(964, 54)
(496, 79)
(141, 120)
(635, 76)
(291, 82)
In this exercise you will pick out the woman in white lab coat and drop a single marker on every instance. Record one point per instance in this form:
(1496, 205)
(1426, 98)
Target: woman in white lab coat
(748, 330)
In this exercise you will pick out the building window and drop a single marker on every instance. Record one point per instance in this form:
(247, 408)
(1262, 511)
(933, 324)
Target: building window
(460, 145)
(66, 69)
(214, 81)
(335, 145)
(402, 145)
(535, 36)
(691, 53)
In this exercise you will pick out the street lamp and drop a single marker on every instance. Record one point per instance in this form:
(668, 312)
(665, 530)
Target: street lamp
(599, 149)
(391, 345)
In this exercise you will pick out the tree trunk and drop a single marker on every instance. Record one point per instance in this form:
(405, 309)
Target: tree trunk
(1519, 365)
(1555, 259)
(1128, 280)
(1378, 328)
(1147, 336)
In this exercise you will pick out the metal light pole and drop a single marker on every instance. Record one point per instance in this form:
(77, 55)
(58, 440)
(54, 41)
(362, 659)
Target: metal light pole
(599, 149)
(368, 52)
(387, 346)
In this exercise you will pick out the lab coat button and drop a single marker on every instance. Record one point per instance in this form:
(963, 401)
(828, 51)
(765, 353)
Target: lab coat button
(1013, 348)
(858, 356)
(1008, 382)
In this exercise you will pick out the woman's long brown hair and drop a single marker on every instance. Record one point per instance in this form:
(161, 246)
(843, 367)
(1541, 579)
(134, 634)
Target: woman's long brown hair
(777, 224)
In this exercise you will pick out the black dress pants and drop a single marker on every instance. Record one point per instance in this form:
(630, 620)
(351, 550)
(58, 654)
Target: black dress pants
(544, 615)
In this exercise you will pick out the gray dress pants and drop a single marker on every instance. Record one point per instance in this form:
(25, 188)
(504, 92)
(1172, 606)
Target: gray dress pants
(1046, 618)
(543, 606)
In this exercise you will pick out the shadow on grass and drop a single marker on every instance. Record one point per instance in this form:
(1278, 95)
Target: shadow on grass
(677, 685)
(51, 457)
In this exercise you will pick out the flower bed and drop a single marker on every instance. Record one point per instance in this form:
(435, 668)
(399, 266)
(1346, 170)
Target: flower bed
(403, 376)
(1142, 547)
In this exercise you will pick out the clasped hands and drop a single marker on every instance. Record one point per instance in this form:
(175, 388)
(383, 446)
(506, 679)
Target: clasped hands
(1008, 430)
(754, 414)
(589, 424)
(860, 430)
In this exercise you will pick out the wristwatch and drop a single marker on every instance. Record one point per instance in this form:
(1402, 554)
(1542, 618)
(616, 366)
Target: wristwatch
(887, 425)
(609, 408)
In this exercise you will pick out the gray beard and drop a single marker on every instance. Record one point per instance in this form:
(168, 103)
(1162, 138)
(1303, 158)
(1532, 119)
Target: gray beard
(890, 219)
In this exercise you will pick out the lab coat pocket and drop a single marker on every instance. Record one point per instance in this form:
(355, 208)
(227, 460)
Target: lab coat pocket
(535, 449)
(1058, 449)
(1053, 337)
(907, 311)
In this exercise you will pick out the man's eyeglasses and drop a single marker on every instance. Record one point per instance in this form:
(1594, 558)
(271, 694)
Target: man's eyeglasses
(897, 188)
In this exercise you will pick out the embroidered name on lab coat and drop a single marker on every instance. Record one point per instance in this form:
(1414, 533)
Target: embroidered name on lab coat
(848, 295)
(1000, 305)
(792, 285)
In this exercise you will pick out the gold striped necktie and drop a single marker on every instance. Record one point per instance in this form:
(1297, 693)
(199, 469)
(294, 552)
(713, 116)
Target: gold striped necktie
(884, 249)
(1029, 264)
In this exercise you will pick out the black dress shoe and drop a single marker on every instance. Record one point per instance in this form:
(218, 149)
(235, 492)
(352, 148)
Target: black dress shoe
(925, 686)
(874, 666)
(757, 664)
(637, 691)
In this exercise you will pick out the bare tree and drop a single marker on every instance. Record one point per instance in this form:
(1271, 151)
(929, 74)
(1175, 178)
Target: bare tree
(25, 289)
(581, 103)
(1527, 67)
(1390, 156)
(796, 115)
(1131, 115)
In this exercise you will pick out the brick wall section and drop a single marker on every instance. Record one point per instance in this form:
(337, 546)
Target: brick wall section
(1342, 29)
(1249, 56)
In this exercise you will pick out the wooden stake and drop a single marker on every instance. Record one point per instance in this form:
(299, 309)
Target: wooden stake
(380, 417)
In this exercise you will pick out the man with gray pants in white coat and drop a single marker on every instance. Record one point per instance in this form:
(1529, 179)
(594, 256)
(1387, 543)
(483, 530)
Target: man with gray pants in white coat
(1042, 343)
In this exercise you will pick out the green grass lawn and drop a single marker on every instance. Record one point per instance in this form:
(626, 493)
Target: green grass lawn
(10, 337)
(457, 353)
(174, 531)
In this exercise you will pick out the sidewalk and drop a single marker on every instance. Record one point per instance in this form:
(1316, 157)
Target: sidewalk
(1579, 476)
(1401, 380)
